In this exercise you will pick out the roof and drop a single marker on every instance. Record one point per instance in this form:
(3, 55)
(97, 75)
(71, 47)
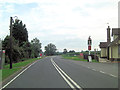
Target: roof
(103, 44)
(115, 42)
(115, 31)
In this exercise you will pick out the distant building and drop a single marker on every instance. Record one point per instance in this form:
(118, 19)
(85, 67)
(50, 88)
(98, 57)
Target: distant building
(111, 50)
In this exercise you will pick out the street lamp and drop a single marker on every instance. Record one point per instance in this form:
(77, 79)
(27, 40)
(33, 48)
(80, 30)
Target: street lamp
(11, 28)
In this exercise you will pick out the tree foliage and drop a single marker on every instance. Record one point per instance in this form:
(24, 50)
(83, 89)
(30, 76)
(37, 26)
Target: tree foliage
(20, 32)
(50, 49)
(36, 47)
(65, 51)
(21, 47)
(71, 51)
(16, 55)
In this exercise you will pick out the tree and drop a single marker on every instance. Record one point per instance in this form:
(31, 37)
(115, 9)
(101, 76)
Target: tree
(27, 49)
(20, 32)
(36, 47)
(65, 51)
(50, 49)
(16, 54)
(71, 51)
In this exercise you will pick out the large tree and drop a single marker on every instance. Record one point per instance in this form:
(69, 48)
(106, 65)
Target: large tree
(20, 32)
(27, 47)
(16, 50)
(65, 51)
(50, 49)
(71, 51)
(36, 47)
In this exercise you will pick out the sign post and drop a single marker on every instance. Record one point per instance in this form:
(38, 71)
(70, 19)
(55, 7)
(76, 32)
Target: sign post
(0, 54)
(0, 63)
(3, 58)
(89, 48)
(40, 55)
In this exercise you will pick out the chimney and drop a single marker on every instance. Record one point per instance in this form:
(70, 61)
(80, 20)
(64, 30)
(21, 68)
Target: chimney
(108, 34)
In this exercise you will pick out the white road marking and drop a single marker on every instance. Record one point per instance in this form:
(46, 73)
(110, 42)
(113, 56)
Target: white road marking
(102, 72)
(112, 75)
(17, 76)
(66, 75)
(94, 69)
(88, 67)
(63, 76)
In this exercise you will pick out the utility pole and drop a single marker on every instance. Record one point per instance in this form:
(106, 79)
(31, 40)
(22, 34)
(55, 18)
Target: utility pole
(95, 54)
(11, 27)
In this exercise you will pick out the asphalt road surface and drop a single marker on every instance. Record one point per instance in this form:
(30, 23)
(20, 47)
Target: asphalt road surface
(56, 72)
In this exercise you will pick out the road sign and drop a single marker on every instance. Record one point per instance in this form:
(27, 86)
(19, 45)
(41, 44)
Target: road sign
(41, 54)
(89, 43)
(3, 51)
(89, 47)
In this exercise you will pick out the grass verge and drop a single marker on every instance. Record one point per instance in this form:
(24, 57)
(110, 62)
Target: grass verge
(21, 64)
(76, 58)
(6, 72)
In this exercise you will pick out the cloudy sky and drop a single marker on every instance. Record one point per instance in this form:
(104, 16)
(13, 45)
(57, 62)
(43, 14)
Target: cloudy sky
(65, 23)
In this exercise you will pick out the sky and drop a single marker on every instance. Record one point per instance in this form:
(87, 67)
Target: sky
(65, 23)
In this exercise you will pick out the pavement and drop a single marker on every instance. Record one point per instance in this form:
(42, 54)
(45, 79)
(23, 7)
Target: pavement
(56, 72)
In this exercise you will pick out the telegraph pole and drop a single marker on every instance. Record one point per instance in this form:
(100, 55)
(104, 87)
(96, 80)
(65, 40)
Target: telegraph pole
(11, 27)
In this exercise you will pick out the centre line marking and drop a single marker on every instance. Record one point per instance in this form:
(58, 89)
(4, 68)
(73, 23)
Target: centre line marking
(64, 74)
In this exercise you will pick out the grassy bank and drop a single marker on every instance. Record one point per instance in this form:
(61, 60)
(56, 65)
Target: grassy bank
(76, 58)
(6, 72)
(73, 58)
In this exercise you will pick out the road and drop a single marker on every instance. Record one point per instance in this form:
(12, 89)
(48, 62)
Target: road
(56, 72)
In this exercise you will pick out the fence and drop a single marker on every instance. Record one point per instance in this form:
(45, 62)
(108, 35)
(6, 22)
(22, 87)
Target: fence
(85, 56)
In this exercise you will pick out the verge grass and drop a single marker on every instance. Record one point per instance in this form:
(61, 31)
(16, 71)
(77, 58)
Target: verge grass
(76, 58)
(21, 64)
(6, 72)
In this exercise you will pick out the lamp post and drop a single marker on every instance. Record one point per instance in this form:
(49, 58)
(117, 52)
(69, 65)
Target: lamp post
(11, 28)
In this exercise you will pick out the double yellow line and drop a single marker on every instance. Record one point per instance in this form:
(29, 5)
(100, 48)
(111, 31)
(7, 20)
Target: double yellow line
(69, 81)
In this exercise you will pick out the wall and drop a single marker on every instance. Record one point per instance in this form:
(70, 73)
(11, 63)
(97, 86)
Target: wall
(109, 52)
(114, 37)
(115, 51)
(103, 52)
(119, 41)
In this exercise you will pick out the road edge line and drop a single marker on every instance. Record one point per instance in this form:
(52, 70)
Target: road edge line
(17, 75)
